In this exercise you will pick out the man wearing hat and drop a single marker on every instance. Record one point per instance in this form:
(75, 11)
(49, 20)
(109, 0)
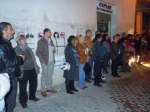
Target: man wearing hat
(45, 52)
(29, 71)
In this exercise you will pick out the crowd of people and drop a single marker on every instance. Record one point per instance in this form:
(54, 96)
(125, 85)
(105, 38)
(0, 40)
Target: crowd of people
(20, 64)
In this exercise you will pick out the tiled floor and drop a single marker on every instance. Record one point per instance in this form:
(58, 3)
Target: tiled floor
(130, 93)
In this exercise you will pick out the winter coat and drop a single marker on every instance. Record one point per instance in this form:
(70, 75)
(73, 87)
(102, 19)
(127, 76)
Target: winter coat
(4, 88)
(42, 51)
(19, 52)
(9, 57)
(114, 50)
(97, 52)
(81, 53)
(73, 73)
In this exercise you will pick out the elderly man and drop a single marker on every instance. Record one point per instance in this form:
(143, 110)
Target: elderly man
(12, 62)
(29, 69)
(45, 52)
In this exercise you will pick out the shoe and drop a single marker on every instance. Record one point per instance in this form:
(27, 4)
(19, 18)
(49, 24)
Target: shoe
(24, 105)
(128, 70)
(103, 78)
(91, 79)
(44, 94)
(69, 92)
(123, 71)
(103, 81)
(75, 90)
(117, 76)
(85, 86)
(35, 99)
(52, 91)
(106, 72)
(88, 81)
(98, 85)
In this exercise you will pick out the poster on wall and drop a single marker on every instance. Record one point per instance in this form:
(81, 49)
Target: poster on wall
(104, 7)
(34, 31)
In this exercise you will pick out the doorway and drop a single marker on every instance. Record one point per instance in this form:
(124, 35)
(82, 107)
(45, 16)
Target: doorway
(104, 22)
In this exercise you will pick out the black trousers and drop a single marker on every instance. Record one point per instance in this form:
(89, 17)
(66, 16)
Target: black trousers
(98, 65)
(114, 67)
(11, 95)
(69, 85)
(31, 76)
(105, 62)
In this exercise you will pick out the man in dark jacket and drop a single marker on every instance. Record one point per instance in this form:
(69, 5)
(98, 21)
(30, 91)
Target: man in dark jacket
(98, 60)
(12, 62)
(122, 56)
(114, 55)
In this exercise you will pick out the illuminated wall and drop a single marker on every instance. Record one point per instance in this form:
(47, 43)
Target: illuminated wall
(69, 16)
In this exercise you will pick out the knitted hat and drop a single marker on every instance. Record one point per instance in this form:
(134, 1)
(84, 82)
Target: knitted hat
(21, 37)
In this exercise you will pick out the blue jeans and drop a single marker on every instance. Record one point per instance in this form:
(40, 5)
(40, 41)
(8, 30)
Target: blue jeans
(87, 77)
(81, 76)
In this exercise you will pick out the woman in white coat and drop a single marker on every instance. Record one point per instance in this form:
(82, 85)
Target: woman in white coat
(4, 86)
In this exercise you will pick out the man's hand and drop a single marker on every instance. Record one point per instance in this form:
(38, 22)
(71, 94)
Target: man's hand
(53, 49)
(23, 57)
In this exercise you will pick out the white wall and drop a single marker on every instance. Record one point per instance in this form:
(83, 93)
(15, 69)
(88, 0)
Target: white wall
(69, 16)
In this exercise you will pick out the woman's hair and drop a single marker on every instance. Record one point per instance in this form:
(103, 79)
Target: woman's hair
(97, 32)
(128, 36)
(104, 38)
(97, 37)
(78, 37)
(71, 37)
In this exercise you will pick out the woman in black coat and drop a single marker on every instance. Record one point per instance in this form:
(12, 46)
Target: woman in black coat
(72, 58)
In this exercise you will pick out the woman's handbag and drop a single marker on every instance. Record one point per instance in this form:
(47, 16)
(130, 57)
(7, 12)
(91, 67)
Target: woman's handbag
(65, 66)
(87, 68)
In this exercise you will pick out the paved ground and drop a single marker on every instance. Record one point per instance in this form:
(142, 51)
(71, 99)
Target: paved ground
(130, 93)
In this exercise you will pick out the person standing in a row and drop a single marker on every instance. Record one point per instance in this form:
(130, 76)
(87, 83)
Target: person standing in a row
(4, 86)
(29, 69)
(81, 50)
(12, 62)
(98, 60)
(45, 52)
(106, 52)
(114, 55)
(89, 44)
(72, 58)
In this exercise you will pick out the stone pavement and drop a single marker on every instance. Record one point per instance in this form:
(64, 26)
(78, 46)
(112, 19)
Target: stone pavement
(130, 93)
